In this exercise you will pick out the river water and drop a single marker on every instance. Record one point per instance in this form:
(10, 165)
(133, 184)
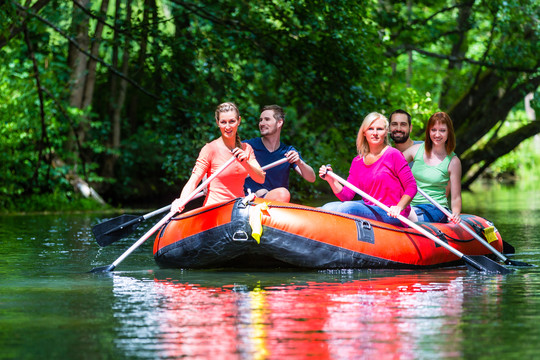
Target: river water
(51, 308)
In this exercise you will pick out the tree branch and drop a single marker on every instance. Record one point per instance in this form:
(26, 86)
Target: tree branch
(497, 148)
(471, 61)
(14, 31)
(443, 10)
(483, 107)
(74, 43)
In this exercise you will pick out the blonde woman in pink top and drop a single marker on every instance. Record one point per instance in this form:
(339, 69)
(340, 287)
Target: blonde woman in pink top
(230, 183)
(380, 171)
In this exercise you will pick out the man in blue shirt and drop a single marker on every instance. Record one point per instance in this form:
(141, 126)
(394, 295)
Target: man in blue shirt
(268, 148)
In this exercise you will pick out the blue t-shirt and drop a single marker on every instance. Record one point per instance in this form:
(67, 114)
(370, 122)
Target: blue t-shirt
(277, 176)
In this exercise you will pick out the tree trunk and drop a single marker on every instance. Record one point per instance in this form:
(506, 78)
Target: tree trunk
(77, 62)
(82, 80)
(495, 149)
(480, 116)
(43, 143)
(459, 49)
(90, 82)
(118, 93)
(139, 71)
(483, 107)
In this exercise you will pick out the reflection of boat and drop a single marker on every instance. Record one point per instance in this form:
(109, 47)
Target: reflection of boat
(320, 315)
(300, 236)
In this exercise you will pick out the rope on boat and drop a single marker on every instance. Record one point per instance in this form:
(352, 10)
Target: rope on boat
(317, 210)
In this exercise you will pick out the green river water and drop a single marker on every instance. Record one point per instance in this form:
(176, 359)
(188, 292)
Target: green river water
(52, 308)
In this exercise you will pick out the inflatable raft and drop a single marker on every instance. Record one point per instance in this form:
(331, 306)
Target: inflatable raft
(258, 233)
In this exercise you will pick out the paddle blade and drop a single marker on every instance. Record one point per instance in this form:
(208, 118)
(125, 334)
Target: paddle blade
(484, 264)
(101, 269)
(508, 248)
(516, 263)
(112, 230)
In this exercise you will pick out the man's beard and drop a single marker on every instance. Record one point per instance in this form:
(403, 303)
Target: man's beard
(268, 131)
(401, 139)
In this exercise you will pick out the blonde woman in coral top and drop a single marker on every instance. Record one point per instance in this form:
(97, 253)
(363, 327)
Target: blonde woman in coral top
(228, 184)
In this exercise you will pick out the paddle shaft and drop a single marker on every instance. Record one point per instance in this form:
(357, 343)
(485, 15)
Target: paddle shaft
(110, 231)
(406, 221)
(168, 216)
(138, 220)
(201, 193)
(464, 226)
(265, 167)
(141, 240)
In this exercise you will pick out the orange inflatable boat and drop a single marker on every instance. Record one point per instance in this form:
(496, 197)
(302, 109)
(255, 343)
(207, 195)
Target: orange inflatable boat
(258, 233)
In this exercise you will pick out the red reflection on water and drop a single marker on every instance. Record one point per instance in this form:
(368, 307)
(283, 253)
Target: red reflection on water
(388, 317)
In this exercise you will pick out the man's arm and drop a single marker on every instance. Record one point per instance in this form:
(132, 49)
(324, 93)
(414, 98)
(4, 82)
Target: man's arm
(302, 168)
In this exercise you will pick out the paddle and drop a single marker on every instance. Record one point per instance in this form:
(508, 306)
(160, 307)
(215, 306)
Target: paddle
(473, 233)
(477, 263)
(112, 230)
(162, 221)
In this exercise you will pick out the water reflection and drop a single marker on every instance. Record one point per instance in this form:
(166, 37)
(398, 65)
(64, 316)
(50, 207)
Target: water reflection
(338, 315)
(51, 308)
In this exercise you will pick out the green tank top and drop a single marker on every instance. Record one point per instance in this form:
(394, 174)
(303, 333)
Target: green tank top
(432, 179)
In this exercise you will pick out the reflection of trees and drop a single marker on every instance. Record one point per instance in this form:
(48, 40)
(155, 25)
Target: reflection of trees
(413, 315)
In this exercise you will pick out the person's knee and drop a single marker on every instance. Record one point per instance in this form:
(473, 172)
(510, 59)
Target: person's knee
(332, 206)
(346, 207)
(352, 207)
(261, 193)
(279, 194)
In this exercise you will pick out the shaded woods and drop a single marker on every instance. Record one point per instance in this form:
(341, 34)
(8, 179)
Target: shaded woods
(115, 98)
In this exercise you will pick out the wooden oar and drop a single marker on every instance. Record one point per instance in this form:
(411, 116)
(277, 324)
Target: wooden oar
(112, 230)
(162, 221)
(473, 233)
(477, 263)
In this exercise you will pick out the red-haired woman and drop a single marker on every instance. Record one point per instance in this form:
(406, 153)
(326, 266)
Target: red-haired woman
(437, 171)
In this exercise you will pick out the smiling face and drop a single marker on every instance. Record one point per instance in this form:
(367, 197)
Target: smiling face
(228, 123)
(440, 130)
(439, 133)
(268, 125)
(399, 128)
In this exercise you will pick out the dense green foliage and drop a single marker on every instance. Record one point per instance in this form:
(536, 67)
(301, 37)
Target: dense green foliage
(161, 67)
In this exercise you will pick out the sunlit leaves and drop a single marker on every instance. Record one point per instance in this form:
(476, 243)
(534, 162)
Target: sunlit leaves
(329, 63)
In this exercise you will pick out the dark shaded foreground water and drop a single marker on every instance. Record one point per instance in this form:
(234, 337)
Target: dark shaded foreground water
(51, 308)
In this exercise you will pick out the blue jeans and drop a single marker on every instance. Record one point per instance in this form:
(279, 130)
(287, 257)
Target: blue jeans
(359, 208)
(429, 213)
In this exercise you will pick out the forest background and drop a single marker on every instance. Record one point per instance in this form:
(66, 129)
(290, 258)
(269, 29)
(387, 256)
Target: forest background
(113, 99)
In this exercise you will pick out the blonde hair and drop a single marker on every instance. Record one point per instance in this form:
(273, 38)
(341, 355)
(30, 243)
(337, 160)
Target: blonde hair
(226, 107)
(362, 145)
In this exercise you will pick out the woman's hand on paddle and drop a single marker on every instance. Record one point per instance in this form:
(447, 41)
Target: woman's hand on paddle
(322, 172)
(334, 184)
(394, 211)
(239, 154)
(400, 206)
(177, 206)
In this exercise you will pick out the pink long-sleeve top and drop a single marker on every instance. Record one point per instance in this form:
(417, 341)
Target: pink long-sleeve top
(387, 179)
